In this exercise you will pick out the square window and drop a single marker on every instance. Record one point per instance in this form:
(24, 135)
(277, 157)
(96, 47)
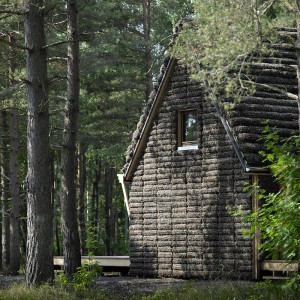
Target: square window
(187, 130)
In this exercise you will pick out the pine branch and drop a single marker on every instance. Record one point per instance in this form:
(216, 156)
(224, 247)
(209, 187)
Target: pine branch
(57, 58)
(56, 111)
(54, 44)
(56, 78)
(273, 88)
(266, 6)
(85, 3)
(60, 43)
(12, 12)
(5, 41)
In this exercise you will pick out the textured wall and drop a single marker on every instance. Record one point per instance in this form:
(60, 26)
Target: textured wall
(180, 223)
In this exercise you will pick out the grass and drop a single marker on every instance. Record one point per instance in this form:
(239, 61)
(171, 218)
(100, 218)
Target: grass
(211, 291)
(228, 291)
(47, 292)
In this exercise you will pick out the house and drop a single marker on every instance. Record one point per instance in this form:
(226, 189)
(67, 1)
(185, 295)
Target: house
(187, 166)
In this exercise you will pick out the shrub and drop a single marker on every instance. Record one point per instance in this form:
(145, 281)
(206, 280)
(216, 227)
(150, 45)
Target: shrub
(84, 276)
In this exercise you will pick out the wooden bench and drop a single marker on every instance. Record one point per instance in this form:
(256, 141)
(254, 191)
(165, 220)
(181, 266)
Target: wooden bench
(109, 264)
(277, 269)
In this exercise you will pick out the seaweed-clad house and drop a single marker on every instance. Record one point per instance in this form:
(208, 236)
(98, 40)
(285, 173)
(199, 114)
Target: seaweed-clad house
(187, 166)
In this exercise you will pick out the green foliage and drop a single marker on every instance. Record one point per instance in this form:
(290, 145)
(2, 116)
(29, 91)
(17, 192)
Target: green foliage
(48, 292)
(216, 290)
(292, 285)
(84, 276)
(222, 36)
(268, 290)
(278, 218)
(44, 292)
(193, 292)
(227, 290)
(91, 240)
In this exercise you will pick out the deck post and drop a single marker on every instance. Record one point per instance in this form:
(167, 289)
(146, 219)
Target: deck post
(255, 244)
(125, 192)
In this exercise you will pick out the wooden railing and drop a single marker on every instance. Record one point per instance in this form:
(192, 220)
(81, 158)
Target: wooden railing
(119, 264)
(277, 269)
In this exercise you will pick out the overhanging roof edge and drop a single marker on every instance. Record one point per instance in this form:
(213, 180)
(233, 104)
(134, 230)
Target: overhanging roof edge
(246, 167)
(151, 115)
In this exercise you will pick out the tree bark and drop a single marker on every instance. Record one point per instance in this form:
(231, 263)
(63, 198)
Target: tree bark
(14, 173)
(147, 41)
(298, 55)
(56, 206)
(108, 210)
(71, 242)
(81, 181)
(95, 198)
(39, 266)
(15, 195)
(5, 191)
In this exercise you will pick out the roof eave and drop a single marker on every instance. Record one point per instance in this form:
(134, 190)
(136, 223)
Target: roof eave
(246, 167)
(141, 143)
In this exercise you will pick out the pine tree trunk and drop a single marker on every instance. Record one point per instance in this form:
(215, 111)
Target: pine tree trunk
(14, 174)
(5, 191)
(39, 267)
(56, 206)
(23, 233)
(96, 197)
(117, 240)
(81, 181)
(147, 41)
(15, 194)
(298, 56)
(108, 210)
(71, 242)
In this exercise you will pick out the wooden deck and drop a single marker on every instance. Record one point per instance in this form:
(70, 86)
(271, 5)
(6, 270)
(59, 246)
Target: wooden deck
(119, 264)
(277, 269)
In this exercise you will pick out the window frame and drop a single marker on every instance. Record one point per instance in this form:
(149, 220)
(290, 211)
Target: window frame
(181, 144)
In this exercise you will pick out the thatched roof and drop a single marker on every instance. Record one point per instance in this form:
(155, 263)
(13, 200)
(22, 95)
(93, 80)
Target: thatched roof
(275, 75)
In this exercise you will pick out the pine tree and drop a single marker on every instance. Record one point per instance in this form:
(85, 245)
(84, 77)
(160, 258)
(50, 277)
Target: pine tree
(72, 256)
(221, 37)
(39, 266)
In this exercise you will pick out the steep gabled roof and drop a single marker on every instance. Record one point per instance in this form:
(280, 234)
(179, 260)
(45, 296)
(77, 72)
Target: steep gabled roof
(144, 125)
(275, 78)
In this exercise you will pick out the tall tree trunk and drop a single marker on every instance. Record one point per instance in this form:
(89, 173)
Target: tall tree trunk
(81, 181)
(108, 210)
(113, 213)
(71, 242)
(96, 212)
(23, 234)
(5, 191)
(117, 241)
(14, 174)
(96, 197)
(39, 267)
(15, 194)
(147, 41)
(56, 205)
(298, 55)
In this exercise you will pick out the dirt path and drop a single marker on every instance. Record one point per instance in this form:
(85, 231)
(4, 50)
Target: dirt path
(129, 286)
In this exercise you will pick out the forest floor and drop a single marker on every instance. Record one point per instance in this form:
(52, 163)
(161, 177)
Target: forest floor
(130, 286)
(126, 286)
(6, 281)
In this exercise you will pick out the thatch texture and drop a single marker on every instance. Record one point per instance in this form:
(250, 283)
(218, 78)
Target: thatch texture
(180, 201)
(276, 75)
